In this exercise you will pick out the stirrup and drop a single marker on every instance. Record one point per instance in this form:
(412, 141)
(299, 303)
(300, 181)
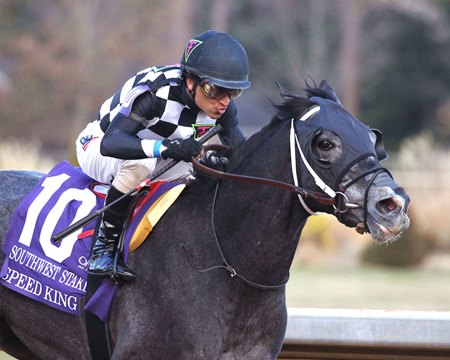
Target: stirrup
(121, 271)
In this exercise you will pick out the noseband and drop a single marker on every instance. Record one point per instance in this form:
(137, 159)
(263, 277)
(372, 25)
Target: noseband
(375, 171)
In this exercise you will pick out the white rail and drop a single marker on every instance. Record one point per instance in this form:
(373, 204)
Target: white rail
(314, 333)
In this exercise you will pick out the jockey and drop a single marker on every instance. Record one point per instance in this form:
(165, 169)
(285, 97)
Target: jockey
(156, 116)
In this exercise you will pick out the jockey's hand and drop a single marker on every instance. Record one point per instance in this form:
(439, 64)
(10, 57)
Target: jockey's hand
(180, 149)
(213, 158)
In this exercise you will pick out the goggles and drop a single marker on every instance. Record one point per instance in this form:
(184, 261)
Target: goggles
(217, 92)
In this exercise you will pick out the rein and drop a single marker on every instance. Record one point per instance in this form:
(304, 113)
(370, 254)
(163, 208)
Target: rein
(340, 203)
(226, 265)
(308, 194)
(301, 192)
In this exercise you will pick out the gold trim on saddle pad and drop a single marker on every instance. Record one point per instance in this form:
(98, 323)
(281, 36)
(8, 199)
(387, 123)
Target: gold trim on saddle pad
(154, 213)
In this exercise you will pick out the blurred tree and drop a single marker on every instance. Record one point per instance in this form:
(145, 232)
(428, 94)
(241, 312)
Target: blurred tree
(40, 59)
(84, 17)
(407, 71)
(318, 43)
(64, 58)
(11, 24)
(349, 57)
(408, 251)
(137, 44)
(220, 15)
(288, 41)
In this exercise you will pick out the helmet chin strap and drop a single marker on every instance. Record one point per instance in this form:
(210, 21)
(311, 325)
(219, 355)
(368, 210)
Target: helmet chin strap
(295, 143)
(189, 95)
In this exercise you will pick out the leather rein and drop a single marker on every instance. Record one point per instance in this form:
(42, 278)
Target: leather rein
(305, 193)
(329, 197)
(339, 203)
(253, 180)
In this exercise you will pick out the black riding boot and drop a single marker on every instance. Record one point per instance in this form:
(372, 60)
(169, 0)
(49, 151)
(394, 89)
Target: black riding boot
(105, 247)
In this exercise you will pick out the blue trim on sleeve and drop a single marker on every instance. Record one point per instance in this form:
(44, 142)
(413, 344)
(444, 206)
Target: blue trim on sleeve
(157, 148)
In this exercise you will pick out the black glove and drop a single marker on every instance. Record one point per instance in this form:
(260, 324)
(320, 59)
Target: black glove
(179, 149)
(213, 158)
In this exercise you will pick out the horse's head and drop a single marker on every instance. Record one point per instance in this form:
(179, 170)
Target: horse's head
(341, 156)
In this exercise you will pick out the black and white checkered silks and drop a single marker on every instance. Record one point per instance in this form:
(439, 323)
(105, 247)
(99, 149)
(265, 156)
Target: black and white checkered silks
(173, 119)
(170, 117)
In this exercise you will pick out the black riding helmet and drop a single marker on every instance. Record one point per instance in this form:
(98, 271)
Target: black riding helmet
(218, 58)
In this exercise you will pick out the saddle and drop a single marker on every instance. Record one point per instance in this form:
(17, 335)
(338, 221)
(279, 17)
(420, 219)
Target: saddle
(55, 273)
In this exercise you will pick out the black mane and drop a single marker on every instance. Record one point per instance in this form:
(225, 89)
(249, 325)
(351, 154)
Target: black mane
(292, 105)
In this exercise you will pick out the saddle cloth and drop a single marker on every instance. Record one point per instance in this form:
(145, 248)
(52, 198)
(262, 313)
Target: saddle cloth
(55, 273)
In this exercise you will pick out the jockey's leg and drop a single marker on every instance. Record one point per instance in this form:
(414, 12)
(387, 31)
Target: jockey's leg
(110, 230)
(130, 173)
(124, 175)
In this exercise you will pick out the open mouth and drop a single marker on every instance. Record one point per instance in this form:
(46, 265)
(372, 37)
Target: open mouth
(388, 235)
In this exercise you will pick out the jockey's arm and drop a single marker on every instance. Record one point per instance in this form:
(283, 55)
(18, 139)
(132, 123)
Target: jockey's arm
(120, 140)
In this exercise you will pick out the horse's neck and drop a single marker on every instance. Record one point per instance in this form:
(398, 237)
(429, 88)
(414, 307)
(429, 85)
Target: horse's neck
(259, 233)
(259, 226)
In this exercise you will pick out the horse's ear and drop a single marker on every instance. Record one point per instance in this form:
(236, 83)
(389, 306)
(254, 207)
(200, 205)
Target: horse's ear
(330, 91)
(285, 93)
(379, 145)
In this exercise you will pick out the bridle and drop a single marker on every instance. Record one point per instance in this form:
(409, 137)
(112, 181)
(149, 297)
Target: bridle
(337, 199)
(375, 171)
(341, 203)
(307, 194)
(294, 147)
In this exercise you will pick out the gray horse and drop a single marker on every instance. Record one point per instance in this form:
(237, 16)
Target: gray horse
(211, 275)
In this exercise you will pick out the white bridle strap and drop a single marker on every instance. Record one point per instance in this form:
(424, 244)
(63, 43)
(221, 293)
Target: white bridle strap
(309, 113)
(294, 168)
(294, 141)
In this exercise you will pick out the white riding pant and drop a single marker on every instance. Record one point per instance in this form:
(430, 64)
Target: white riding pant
(124, 175)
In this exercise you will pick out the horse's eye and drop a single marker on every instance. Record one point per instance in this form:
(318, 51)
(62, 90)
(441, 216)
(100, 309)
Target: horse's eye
(325, 145)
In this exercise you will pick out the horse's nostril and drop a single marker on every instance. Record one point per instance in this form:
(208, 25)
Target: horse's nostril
(389, 205)
(406, 200)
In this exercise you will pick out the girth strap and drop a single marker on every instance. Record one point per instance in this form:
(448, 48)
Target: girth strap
(96, 331)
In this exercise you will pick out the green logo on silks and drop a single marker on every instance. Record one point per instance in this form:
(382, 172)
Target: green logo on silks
(201, 129)
(190, 47)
